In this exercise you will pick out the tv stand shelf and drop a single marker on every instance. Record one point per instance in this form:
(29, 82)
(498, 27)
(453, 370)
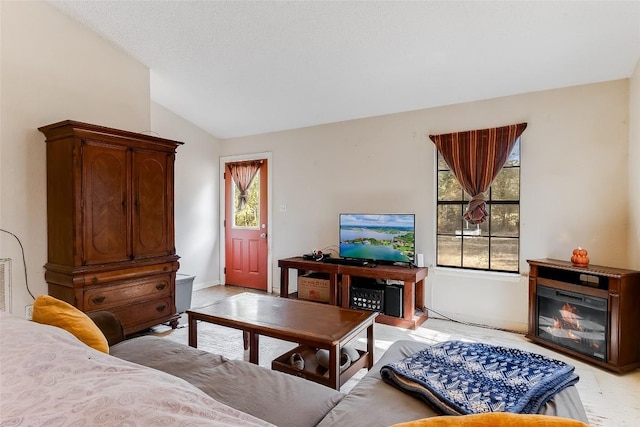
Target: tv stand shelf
(413, 278)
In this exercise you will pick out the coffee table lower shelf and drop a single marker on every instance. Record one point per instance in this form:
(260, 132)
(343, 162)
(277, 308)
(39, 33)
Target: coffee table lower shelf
(312, 370)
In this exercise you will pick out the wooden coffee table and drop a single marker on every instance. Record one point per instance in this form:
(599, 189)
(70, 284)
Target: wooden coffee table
(312, 325)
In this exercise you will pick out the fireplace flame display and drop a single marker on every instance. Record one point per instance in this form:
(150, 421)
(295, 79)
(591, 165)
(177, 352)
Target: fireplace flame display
(568, 320)
(569, 323)
(579, 327)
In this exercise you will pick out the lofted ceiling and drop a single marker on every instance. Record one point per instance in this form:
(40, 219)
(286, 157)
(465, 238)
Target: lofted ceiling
(237, 68)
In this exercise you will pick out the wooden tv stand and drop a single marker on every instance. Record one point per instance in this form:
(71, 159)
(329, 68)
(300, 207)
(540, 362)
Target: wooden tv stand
(413, 278)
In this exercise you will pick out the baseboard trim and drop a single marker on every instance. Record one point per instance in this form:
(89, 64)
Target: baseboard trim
(204, 285)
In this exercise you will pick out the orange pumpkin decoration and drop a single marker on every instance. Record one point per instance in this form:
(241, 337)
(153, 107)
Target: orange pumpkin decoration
(580, 257)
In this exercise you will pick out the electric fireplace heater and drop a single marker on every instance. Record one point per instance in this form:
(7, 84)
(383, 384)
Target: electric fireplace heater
(589, 312)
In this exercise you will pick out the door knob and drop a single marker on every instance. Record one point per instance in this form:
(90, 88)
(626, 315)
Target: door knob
(263, 235)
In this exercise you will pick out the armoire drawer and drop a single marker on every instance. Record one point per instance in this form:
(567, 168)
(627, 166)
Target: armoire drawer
(136, 317)
(105, 297)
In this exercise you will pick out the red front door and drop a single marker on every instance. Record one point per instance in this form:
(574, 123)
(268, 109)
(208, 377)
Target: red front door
(246, 233)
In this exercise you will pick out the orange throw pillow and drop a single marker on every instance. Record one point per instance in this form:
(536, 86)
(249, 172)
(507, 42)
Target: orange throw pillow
(494, 419)
(51, 311)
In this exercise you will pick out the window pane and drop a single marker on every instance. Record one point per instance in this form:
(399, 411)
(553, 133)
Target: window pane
(505, 220)
(448, 187)
(442, 165)
(449, 218)
(473, 229)
(475, 251)
(504, 254)
(506, 185)
(449, 249)
(249, 215)
(514, 157)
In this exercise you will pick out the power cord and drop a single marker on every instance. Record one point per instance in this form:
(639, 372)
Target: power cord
(478, 325)
(24, 261)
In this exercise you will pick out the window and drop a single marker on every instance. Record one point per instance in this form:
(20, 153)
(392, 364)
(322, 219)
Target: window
(493, 245)
(249, 215)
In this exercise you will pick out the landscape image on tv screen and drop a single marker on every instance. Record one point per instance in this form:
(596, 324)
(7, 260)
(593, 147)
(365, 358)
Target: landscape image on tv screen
(382, 237)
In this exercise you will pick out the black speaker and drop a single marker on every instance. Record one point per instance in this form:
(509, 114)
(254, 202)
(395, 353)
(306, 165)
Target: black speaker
(393, 300)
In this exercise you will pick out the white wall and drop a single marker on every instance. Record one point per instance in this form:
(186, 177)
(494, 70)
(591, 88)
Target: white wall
(634, 170)
(52, 69)
(574, 185)
(197, 192)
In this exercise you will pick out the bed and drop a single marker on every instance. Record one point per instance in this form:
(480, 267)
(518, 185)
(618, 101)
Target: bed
(48, 377)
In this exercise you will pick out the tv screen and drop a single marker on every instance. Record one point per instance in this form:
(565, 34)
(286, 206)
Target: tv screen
(378, 237)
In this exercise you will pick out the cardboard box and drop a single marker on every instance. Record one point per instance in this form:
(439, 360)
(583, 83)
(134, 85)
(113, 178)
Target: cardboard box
(314, 287)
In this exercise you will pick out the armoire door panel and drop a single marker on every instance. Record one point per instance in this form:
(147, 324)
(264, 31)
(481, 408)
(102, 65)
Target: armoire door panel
(152, 213)
(105, 184)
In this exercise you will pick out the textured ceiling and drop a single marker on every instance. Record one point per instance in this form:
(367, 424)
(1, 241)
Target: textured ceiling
(238, 68)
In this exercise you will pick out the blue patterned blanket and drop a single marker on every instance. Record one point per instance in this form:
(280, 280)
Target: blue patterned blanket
(461, 378)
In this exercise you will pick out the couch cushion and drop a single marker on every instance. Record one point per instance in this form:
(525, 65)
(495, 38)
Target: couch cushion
(109, 324)
(167, 356)
(276, 397)
(51, 311)
(281, 399)
(398, 407)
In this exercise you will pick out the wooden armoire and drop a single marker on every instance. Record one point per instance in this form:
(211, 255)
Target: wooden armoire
(110, 222)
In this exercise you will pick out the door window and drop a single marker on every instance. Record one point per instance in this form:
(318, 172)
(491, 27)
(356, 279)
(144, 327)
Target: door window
(249, 215)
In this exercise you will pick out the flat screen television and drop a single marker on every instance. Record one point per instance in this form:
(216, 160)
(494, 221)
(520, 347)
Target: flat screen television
(383, 238)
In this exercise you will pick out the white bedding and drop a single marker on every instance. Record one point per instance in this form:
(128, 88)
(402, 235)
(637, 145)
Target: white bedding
(48, 377)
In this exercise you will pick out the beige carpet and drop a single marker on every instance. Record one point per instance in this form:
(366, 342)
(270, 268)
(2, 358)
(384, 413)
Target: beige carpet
(609, 399)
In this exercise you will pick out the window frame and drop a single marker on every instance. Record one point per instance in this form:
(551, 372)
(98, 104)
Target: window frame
(463, 202)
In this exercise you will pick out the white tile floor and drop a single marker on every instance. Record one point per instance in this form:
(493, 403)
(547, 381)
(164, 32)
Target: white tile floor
(610, 400)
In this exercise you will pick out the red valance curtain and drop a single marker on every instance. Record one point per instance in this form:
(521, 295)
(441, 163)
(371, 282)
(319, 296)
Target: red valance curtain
(475, 158)
(243, 174)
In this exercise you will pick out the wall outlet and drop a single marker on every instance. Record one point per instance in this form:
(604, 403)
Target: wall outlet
(28, 312)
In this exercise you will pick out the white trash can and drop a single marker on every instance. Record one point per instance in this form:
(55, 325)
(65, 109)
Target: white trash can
(184, 288)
